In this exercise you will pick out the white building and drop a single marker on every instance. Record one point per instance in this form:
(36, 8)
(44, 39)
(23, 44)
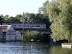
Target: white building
(9, 33)
(18, 35)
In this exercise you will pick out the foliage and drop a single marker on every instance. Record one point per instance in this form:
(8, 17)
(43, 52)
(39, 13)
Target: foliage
(28, 18)
(36, 36)
(31, 35)
(13, 20)
(1, 20)
(43, 9)
(36, 19)
(18, 16)
(42, 19)
(6, 17)
(60, 14)
(44, 15)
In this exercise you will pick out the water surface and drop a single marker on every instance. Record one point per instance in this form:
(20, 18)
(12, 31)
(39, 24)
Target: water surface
(32, 48)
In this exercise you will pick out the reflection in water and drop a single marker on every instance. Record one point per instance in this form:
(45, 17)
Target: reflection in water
(31, 48)
(59, 50)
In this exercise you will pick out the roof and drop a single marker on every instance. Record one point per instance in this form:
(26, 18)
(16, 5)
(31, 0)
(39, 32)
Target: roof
(5, 27)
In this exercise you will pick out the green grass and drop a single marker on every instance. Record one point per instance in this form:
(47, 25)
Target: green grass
(66, 43)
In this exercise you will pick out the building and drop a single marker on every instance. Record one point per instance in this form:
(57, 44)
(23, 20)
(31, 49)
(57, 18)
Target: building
(1, 33)
(18, 36)
(8, 33)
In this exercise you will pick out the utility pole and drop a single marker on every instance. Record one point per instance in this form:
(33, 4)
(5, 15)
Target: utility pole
(23, 27)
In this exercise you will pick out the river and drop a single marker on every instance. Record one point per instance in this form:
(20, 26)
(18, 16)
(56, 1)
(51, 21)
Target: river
(32, 48)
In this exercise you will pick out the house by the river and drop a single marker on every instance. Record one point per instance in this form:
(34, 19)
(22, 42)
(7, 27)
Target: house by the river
(9, 34)
(18, 35)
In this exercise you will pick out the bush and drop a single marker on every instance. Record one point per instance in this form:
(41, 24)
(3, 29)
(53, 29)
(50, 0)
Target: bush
(31, 35)
(36, 36)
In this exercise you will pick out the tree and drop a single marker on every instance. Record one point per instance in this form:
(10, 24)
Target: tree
(42, 16)
(1, 20)
(36, 18)
(43, 9)
(13, 20)
(6, 17)
(60, 14)
(42, 19)
(19, 17)
(29, 17)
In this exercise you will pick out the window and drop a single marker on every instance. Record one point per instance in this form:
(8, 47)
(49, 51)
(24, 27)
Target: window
(7, 34)
(14, 34)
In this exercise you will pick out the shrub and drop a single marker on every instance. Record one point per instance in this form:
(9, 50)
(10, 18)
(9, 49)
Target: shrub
(36, 36)
(30, 35)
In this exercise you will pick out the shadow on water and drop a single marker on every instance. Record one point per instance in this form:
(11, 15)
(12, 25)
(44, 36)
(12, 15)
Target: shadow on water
(59, 50)
(32, 48)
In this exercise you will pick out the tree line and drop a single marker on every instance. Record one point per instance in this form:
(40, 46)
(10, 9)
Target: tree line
(28, 18)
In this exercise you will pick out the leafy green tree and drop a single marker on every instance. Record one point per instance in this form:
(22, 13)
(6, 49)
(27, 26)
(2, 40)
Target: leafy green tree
(36, 18)
(43, 9)
(13, 20)
(6, 17)
(1, 20)
(42, 19)
(29, 17)
(19, 17)
(60, 14)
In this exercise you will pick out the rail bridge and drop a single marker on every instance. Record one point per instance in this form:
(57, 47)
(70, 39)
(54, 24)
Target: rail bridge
(29, 27)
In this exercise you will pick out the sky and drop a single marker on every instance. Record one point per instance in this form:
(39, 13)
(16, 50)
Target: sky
(14, 7)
